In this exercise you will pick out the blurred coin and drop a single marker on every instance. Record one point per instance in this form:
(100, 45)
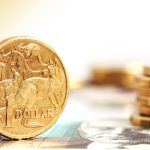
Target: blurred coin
(143, 81)
(143, 100)
(76, 83)
(144, 110)
(143, 91)
(119, 76)
(146, 70)
(109, 76)
(139, 120)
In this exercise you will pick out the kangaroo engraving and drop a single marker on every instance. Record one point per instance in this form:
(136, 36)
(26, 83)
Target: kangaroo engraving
(33, 90)
(27, 86)
(9, 88)
(16, 60)
(32, 50)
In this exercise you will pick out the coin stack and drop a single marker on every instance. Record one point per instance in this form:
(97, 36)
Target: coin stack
(143, 99)
(122, 76)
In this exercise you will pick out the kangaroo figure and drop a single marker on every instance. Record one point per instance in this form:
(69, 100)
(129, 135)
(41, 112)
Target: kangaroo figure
(9, 88)
(33, 90)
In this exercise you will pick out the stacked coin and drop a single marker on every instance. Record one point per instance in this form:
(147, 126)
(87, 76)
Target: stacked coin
(123, 76)
(143, 98)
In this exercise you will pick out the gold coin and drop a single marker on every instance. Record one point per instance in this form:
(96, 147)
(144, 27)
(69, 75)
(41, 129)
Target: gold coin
(142, 121)
(117, 76)
(147, 71)
(142, 91)
(33, 87)
(144, 100)
(76, 83)
(144, 110)
(143, 81)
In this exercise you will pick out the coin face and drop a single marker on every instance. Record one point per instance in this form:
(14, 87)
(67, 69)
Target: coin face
(33, 87)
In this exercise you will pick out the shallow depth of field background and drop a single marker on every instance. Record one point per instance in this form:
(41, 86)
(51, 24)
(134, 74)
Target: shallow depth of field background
(83, 32)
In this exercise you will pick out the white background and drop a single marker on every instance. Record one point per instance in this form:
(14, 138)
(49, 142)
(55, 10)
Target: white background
(82, 31)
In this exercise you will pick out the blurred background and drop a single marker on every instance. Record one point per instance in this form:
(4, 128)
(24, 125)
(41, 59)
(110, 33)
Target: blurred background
(83, 32)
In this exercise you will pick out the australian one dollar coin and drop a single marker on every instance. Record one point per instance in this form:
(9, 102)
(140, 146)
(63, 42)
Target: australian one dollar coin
(33, 87)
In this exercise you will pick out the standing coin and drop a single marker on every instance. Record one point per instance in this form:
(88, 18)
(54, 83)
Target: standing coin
(33, 87)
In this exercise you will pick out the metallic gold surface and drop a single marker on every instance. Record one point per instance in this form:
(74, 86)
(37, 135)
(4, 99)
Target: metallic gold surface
(143, 81)
(117, 76)
(147, 71)
(33, 87)
(142, 121)
(144, 110)
(142, 91)
(144, 100)
(76, 83)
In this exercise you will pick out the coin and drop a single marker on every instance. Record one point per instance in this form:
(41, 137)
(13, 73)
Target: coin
(33, 87)
(143, 81)
(142, 121)
(76, 83)
(107, 75)
(144, 110)
(144, 100)
(146, 71)
(117, 76)
(142, 91)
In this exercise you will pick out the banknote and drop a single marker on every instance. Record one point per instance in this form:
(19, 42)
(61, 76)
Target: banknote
(94, 118)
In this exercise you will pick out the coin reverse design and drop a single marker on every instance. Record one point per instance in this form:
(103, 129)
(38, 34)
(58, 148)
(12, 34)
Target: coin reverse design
(33, 87)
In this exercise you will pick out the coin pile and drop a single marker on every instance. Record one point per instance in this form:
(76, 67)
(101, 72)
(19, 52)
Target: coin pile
(143, 98)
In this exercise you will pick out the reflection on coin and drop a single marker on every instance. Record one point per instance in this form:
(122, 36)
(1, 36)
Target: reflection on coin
(33, 87)
(142, 121)
(144, 110)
